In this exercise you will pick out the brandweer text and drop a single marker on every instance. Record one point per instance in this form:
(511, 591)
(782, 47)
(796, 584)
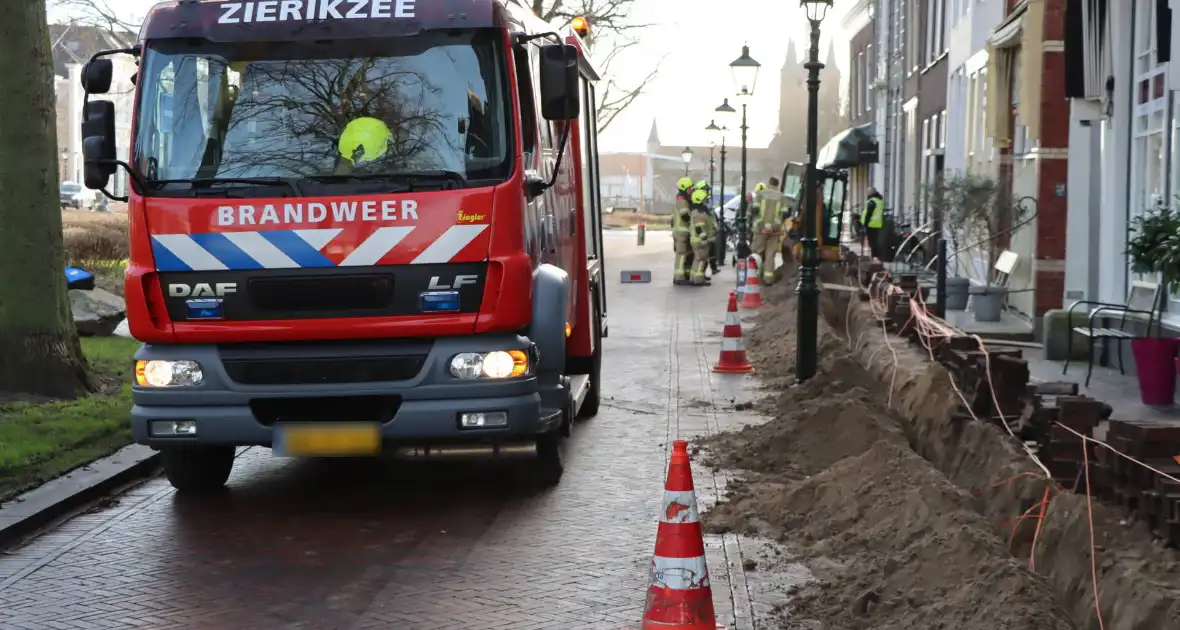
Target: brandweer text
(314, 212)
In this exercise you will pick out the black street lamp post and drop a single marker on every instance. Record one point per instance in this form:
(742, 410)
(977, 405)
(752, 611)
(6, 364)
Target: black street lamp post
(686, 156)
(719, 198)
(745, 75)
(724, 113)
(807, 326)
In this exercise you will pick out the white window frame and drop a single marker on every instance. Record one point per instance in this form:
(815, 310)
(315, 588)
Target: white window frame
(942, 130)
(870, 76)
(928, 57)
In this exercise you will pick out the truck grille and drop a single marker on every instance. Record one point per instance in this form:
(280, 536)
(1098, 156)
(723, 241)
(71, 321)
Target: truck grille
(270, 411)
(327, 370)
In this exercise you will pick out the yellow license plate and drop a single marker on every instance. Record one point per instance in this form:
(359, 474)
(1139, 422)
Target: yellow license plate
(328, 440)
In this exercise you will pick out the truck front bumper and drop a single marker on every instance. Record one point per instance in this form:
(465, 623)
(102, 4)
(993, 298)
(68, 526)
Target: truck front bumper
(424, 408)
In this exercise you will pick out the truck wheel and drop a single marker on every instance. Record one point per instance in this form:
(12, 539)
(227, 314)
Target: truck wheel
(196, 469)
(593, 397)
(548, 467)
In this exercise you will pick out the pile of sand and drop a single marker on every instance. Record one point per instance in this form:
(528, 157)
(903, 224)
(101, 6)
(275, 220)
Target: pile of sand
(833, 478)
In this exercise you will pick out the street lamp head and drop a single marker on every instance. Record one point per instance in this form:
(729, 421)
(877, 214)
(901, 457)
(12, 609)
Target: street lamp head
(745, 73)
(715, 132)
(724, 113)
(686, 155)
(816, 9)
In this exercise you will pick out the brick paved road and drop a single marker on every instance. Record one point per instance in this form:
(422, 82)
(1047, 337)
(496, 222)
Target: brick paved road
(369, 544)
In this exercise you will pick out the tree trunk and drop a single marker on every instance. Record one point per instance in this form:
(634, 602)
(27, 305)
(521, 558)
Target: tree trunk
(38, 343)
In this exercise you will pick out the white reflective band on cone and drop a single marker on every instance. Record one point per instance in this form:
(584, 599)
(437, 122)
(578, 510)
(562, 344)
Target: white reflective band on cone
(680, 506)
(732, 319)
(731, 344)
(680, 574)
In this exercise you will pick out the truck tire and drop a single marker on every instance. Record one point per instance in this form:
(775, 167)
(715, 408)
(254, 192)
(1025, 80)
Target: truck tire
(594, 396)
(198, 469)
(548, 467)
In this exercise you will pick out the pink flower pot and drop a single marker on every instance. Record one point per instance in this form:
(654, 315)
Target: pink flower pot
(1155, 365)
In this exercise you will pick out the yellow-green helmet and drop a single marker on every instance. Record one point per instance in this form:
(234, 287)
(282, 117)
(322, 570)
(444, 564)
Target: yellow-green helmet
(702, 185)
(364, 140)
(684, 184)
(759, 187)
(699, 196)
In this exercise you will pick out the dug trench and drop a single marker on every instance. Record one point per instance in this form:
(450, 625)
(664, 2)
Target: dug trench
(907, 515)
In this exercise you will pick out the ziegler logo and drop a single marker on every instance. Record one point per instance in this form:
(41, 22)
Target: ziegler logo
(202, 289)
(459, 281)
(463, 217)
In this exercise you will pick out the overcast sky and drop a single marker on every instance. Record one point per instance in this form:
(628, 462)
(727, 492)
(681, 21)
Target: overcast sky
(696, 40)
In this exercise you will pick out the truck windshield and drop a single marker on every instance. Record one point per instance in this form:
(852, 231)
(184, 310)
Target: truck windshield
(313, 110)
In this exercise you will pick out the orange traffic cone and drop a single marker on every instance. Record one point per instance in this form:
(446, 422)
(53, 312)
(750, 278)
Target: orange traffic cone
(733, 349)
(680, 597)
(753, 294)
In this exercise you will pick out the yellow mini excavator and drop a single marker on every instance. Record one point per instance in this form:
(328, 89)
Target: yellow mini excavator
(832, 188)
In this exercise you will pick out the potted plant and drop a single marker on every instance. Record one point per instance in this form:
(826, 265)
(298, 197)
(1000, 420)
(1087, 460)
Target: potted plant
(943, 197)
(987, 214)
(1154, 248)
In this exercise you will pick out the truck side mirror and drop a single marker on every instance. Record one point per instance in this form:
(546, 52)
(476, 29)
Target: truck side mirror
(559, 82)
(98, 143)
(96, 76)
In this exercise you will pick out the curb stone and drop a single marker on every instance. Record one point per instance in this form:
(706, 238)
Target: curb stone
(38, 507)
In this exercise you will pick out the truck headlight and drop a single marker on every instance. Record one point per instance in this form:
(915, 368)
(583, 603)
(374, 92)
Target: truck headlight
(496, 364)
(168, 373)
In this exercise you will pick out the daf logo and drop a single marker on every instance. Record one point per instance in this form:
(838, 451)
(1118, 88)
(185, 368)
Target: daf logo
(202, 289)
(436, 282)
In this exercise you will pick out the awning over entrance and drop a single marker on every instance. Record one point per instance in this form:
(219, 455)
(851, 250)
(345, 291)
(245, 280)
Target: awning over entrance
(852, 147)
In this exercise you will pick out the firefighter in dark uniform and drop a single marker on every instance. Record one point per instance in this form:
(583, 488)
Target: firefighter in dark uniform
(701, 237)
(680, 229)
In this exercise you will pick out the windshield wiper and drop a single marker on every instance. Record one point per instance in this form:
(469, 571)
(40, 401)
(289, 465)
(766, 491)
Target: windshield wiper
(203, 185)
(409, 178)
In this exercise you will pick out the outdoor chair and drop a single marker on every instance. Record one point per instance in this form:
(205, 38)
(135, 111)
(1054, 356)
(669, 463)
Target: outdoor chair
(1143, 299)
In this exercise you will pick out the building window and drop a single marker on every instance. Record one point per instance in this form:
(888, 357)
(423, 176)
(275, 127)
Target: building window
(913, 48)
(936, 40)
(928, 52)
(973, 118)
(942, 130)
(911, 167)
(940, 26)
(861, 80)
(927, 143)
(1149, 152)
(870, 76)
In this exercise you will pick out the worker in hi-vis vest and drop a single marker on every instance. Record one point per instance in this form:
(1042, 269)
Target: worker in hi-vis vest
(701, 236)
(874, 222)
(767, 227)
(680, 229)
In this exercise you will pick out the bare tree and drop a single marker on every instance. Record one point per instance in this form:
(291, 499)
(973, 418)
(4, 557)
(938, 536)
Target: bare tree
(100, 14)
(610, 24)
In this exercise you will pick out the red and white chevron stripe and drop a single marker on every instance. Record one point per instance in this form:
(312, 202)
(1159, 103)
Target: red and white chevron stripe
(408, 245)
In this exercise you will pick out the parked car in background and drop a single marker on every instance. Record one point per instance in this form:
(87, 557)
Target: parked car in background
(77, 197)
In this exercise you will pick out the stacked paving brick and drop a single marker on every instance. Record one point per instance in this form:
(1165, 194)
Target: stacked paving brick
(1050, 418)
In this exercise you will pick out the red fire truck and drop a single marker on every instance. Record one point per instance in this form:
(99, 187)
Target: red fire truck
(357, 226)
